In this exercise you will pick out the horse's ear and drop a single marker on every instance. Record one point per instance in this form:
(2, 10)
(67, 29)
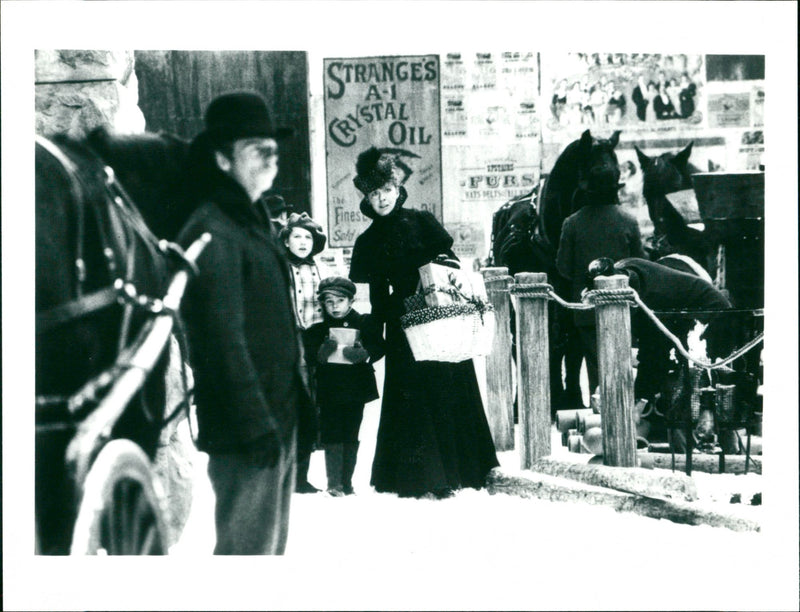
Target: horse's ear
(614, 140)
(644, 161)
(682, 159)
(586, 141)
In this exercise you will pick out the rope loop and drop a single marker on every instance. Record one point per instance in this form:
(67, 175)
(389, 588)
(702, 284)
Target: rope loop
(610, 296)
(532, 289)
(596, 297)
(504, 278)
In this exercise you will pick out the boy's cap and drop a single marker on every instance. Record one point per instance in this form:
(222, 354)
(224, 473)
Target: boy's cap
(337, 285)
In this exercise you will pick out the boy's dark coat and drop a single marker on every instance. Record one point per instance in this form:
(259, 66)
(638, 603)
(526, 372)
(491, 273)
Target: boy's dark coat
(337, 382)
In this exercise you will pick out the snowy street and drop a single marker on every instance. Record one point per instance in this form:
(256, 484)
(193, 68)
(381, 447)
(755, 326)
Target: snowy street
(557, 547)
(370, 523)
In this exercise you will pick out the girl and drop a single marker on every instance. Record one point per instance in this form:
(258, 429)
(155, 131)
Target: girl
(433, 436)
(303, 238)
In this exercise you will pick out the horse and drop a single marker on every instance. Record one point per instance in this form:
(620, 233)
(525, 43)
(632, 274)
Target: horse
(673, 237)
(662, 175)
(89, 234)
(526, 232)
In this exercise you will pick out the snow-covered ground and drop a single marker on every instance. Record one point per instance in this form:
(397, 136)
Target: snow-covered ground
(349, 524)
(483, 551)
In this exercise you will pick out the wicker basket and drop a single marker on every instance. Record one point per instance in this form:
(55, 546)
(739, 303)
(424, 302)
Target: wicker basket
(453, 333)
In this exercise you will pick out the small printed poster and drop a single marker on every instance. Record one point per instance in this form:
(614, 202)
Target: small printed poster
(469, 238)
(729, 110)
(758, 107)
(454, 117)
(750, 151)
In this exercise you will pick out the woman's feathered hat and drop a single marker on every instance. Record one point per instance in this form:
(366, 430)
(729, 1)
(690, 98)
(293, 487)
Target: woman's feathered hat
(373, 170)
(307, 223)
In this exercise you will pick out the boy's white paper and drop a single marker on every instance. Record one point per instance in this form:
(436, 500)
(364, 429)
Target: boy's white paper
(343, 336)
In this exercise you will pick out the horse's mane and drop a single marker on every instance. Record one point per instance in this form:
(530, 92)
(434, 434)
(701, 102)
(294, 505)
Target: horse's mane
(565, 170)
(558, 199)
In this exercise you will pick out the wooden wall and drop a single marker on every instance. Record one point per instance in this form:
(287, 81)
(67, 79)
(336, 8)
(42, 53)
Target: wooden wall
(175, 88)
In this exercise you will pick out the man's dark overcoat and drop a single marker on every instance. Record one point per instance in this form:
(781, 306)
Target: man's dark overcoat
(244, 344)
(662, 288)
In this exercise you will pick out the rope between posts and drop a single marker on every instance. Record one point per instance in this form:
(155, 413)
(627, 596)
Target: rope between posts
(618, 296)
(546, 290)
(679, 345)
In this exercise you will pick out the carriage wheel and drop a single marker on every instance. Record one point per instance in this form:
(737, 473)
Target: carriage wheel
(120, 513)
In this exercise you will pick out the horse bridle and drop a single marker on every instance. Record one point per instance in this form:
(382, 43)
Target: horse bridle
(126, 223)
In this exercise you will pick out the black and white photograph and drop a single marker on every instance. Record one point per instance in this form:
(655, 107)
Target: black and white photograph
(400, 305)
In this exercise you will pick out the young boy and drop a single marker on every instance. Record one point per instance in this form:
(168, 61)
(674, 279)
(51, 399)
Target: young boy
(345, 378)
(303, 239)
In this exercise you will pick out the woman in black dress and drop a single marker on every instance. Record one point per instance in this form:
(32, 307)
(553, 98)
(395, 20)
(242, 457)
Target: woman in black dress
(433, 435)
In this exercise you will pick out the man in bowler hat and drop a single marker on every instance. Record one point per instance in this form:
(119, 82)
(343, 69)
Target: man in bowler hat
(242, 336)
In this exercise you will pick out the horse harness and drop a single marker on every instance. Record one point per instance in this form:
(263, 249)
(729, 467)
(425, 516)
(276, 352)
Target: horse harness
(125, 224)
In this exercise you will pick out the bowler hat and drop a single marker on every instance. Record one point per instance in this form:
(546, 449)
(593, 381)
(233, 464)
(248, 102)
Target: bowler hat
(337, 285)
(240, 114)
(308, 224)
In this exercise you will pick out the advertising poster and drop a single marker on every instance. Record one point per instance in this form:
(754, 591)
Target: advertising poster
(491, 140)
(758, 107)
(642, 92)
(391, 103)
(480, 179)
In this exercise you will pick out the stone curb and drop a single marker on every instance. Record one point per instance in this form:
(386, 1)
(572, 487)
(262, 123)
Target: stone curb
(659, 484)
(551, 488)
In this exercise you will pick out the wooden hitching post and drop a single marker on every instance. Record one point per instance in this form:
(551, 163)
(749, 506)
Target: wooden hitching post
(499, 387)
(533, 367)
(616, 375)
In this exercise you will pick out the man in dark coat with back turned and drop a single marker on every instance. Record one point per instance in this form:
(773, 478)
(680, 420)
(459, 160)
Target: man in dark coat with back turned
(598, 229)
(243, 340)
(663, 288)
